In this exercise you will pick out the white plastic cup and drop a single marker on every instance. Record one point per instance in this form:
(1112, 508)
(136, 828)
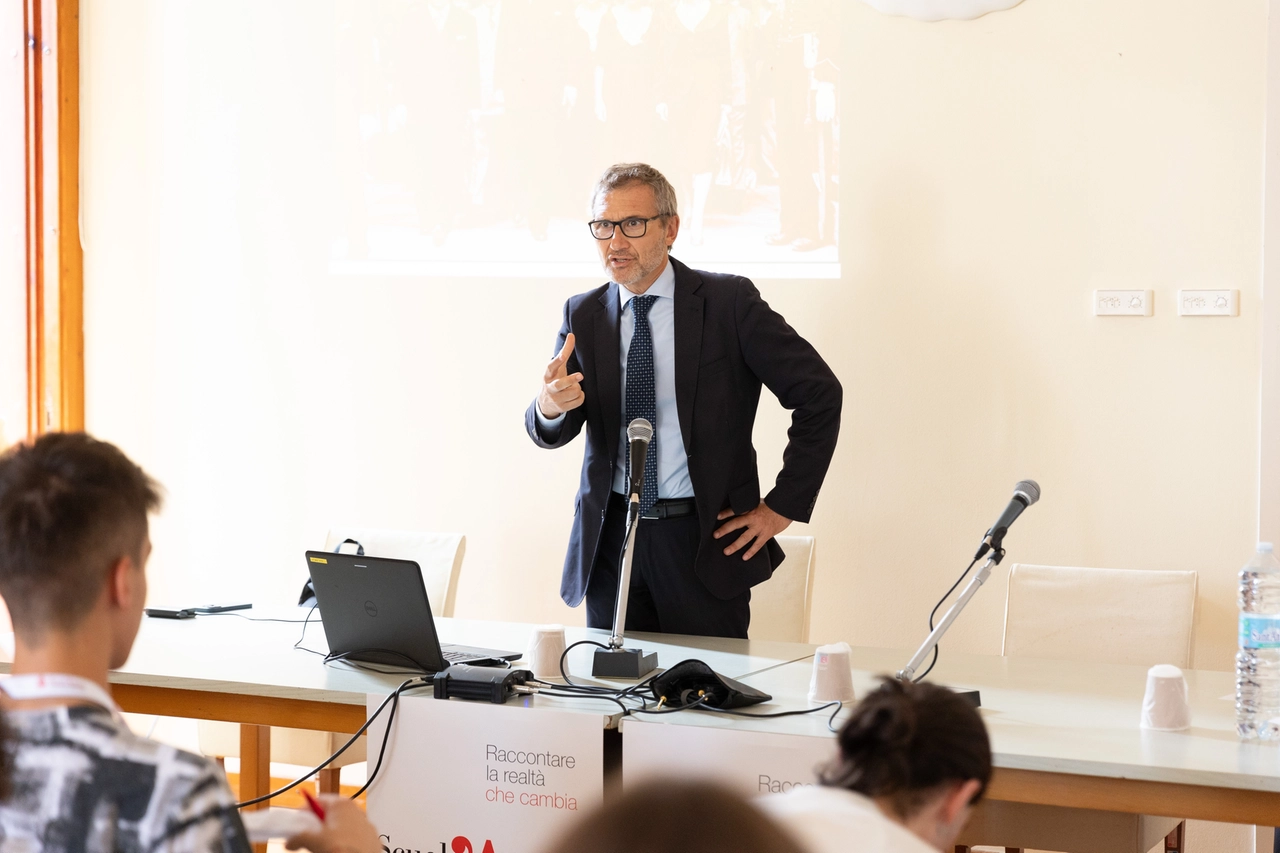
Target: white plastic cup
(546, 645)
(832, 679)
(1166, 706)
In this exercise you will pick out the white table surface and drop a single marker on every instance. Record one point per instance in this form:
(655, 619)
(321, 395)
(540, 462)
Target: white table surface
(1047, 716)
(236, 654)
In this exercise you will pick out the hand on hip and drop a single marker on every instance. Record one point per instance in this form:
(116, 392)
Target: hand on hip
(760, 524)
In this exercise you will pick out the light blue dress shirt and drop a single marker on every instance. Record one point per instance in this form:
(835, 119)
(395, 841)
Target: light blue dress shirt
(673, 465)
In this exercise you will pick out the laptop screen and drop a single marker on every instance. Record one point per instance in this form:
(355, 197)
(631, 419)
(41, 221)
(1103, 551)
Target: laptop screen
(375, 609)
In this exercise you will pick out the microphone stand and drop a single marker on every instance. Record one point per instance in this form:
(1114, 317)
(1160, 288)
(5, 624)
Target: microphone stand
(908, 672)
(616, 661)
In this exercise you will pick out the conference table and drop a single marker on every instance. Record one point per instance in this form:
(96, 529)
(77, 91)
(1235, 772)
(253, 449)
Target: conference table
(1062, 733)
(243, 667)
(1066, 734)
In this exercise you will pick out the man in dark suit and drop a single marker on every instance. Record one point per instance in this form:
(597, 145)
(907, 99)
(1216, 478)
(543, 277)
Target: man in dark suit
(687, 350)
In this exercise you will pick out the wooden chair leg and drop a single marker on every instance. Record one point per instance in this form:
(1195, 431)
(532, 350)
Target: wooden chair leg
(960, 848)
(1173, 842)
(329, 780)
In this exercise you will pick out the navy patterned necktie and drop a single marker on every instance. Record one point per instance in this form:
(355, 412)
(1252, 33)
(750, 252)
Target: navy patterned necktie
(641, 397)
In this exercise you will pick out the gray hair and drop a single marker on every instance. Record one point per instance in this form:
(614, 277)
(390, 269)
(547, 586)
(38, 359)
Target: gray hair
(621, 174)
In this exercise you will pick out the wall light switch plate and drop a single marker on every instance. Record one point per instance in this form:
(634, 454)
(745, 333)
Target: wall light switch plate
(1123, 303)
(1209, 303)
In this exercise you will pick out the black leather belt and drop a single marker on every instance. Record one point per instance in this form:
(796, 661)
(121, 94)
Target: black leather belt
(672, 508)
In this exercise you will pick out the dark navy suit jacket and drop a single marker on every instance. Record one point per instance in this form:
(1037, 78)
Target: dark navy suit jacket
(728, 341)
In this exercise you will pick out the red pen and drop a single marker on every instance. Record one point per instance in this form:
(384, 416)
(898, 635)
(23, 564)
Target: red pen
(314, 804)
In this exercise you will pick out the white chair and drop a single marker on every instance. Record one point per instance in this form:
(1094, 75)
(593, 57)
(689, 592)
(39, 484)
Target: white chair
(780, 606)
(439, 556)
(1118, 616)
(1122, 616)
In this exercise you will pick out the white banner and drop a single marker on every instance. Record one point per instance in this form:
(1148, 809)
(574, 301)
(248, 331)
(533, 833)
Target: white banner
(751, 763)
(472, 777)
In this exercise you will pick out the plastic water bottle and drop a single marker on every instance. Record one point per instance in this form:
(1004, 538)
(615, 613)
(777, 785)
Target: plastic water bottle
(1258, 661)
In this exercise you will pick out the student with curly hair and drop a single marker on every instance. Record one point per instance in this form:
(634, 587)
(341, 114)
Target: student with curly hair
(914, 760)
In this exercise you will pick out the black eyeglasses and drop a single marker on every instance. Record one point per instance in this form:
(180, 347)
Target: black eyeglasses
(602, 229)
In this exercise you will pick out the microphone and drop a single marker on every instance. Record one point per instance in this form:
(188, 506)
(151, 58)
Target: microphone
(1025, 493)
(639, 433)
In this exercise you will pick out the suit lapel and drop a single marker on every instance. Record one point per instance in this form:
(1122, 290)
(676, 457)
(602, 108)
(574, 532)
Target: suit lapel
(688, 318)
(607, 346)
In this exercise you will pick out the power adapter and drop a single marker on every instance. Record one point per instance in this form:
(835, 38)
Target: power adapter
(479, 683)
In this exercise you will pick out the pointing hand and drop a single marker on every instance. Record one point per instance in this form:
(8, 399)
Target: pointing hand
(561, 390)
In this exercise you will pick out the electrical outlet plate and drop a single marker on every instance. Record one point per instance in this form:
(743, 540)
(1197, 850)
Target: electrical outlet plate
(1123, 303)
(1209, 303)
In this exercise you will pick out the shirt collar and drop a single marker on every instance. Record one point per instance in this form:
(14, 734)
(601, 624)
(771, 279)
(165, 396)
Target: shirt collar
(664, 286)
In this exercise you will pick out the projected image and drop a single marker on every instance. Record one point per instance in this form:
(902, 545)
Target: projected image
(469, 132)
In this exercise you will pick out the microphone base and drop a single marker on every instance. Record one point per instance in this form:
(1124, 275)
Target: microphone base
(623, 663)
(974, 697)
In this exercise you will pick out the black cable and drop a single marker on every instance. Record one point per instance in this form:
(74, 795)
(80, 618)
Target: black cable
(599, 689)
(260, 618)
(588, 691)
(570, 690)
(368, 667)
(393, 698)
(304, 626)
(839, 705)
(613, 699)
(345, 657)
(426, 680)
(832, 718)
(630, 691)
(934, 612)
(701, 704)
(386, 737)
(928, 669)
(565, 675)
(673, 710)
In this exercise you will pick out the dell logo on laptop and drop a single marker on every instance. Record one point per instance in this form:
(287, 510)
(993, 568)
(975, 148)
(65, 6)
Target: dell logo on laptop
(370, 608)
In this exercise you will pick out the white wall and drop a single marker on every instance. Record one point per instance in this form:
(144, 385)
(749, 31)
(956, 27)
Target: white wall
(994, 172)
(1269, 420)
(13, 236)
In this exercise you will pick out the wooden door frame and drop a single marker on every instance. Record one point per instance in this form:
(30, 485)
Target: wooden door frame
(55, 261)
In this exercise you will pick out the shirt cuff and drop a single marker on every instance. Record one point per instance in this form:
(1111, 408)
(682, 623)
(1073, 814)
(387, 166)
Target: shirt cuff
(546, 424)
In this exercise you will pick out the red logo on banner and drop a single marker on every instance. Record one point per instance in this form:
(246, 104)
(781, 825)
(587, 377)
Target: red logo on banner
(462, 844)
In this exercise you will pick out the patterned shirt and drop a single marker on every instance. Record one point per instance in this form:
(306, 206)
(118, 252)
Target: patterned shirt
(84, 783)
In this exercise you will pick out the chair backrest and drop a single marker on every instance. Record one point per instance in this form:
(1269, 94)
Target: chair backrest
(439, 555)
(780, 606)
(1123, 616)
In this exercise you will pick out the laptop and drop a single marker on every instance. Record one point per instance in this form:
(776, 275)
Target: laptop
(375, 609)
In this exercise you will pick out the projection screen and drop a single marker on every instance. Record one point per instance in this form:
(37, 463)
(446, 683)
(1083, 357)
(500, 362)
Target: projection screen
(468, 134)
